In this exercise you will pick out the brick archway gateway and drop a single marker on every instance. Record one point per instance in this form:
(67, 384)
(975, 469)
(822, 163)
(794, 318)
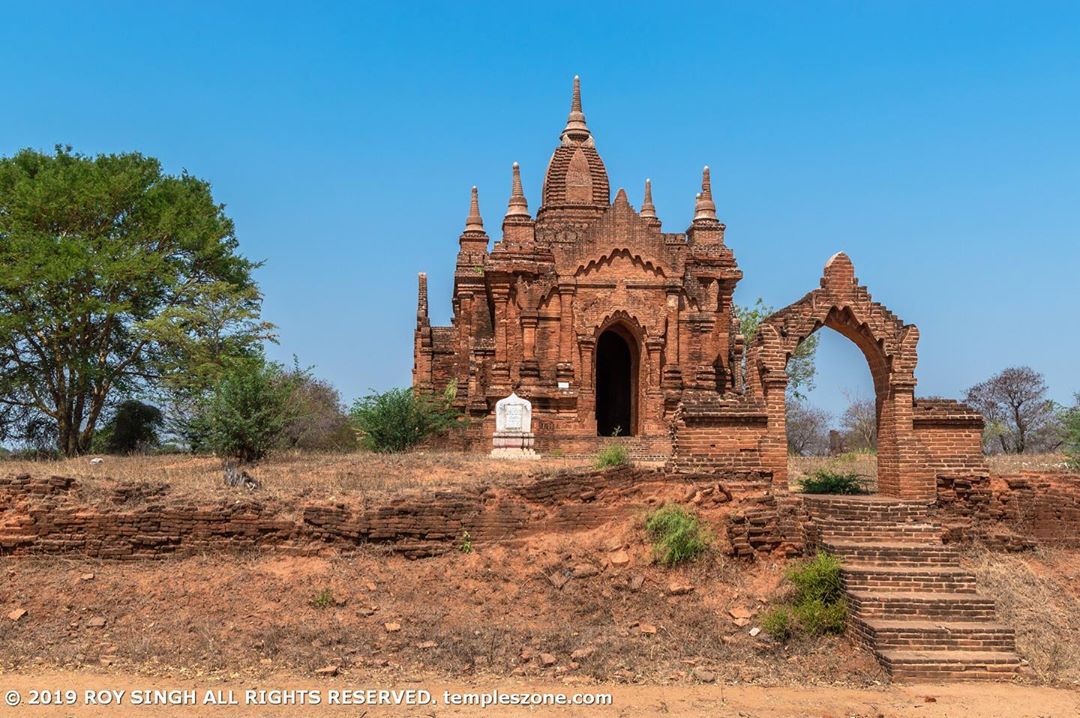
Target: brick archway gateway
(889, 346)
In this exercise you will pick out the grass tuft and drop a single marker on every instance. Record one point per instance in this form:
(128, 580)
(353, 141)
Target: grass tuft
(677, 535)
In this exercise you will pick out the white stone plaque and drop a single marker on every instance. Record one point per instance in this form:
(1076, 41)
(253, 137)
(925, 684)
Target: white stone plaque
(513, 414)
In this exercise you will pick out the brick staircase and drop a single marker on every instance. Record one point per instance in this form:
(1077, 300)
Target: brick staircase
(911, 604)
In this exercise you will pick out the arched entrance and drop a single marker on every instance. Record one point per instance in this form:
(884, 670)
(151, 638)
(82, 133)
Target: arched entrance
(616, 383)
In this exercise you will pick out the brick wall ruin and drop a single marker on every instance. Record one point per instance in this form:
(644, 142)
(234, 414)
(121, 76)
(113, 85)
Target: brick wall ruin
(47, 515)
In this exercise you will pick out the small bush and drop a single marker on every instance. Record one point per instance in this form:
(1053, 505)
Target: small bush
(244, 416)
(824, 481)
(613, 455)
(323, 599)
(817, 579)
(466, 543)
(778, 623)
(816, 617)
(677, 535)
(133, 427)
(399, 419)
(818, 605)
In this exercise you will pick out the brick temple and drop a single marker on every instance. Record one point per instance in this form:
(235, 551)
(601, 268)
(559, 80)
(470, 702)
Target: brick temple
(612, 326)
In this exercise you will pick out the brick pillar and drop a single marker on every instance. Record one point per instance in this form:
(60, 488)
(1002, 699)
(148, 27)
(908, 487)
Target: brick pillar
(672, 366)
(586, 381)
(774, 453)
(564, 370)
(500, 370)
(530, 368)
(651, 416)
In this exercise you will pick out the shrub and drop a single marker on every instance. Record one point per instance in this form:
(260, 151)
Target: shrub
(399, 419)
(816, 617)
(677, 535)
(615, 454)
(323, 599)
(1072, 435)
(244, 416)
(824, 481)
(818, 605)
(133, 427)
(777, 622)
(817, 579)
(318, 422)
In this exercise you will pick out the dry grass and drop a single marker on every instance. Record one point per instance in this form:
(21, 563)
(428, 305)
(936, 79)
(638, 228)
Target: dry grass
(359, 474)
(1013, 463)
(862, 465)
(1038, 594)
(317, 476)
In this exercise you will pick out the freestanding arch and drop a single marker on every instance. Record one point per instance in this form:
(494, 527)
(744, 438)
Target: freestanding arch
(889, 346)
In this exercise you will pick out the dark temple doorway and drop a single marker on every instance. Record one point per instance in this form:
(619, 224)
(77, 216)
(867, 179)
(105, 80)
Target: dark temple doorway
(615, 385)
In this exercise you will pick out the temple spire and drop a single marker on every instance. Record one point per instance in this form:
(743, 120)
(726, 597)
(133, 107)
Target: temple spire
(648, 210)
(421, 300)
(704, 207)
(518, 206)
(576, 130)
(474, 222)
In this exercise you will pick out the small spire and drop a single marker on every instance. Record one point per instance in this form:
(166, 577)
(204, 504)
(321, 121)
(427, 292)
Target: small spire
(421, 299)
(648, 210)
(576, 130)
(704, 207)
(518, 206)
(474, 223)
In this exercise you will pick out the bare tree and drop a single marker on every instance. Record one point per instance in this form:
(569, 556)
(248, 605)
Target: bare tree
(1018, 415)
(807, 429)
(859, 422)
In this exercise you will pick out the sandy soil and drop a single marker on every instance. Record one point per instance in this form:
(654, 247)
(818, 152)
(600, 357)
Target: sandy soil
(949, 701)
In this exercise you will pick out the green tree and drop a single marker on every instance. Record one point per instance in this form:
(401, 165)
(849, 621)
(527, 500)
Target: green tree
(106, 264)
(800, 368)
(399, 419)
(1072, 433)
(134, 426)
(244, 416)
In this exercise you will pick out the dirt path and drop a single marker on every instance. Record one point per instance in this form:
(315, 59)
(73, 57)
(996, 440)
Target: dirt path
(947, 701)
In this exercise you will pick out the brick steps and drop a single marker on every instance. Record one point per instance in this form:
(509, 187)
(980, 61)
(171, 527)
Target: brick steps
(846, 530)
(915, 579)
(900, 635)
(911, 604)
(951, 665)
(933, 605)
(892, 554)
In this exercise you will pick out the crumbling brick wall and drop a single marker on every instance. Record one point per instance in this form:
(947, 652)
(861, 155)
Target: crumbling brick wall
(46, 515)
(1013, 512)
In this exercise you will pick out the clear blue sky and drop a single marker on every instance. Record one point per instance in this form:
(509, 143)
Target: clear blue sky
(938, 143)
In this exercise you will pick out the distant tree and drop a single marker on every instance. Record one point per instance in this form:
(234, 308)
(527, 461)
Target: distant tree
(859, 422)
(101, 259)
(399, 419)
(1072, 432)
(318, 421)
(807, 429)
(800, 368)
(1016, 409)
(245, 415)
(134, 426)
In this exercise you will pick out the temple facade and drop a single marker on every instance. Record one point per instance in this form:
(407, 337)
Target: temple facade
(603, 320)
(611, 326)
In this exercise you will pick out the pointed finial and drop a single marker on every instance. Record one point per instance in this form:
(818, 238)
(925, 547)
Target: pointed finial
(704, 207)
(576, 130)
(648, 210)
(474, 222)
(421, 298)
(518, 206)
